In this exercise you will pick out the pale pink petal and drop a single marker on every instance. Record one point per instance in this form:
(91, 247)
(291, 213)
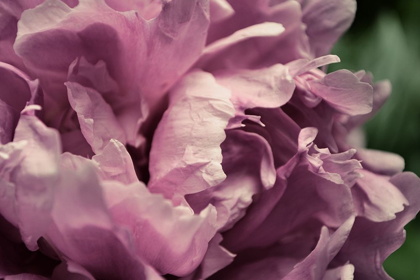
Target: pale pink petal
(345, 272)
(381, 162)
(97, 121)
(220, 10)
(172, 239)
(35, 177)
(186, 155)
(113, 163)
(268, 87)
(344, 92)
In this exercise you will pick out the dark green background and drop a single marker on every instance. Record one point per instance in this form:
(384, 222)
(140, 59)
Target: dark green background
(385, 40)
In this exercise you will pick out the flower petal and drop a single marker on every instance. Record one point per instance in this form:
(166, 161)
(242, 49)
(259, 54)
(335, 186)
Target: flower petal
(344, 92)
(186, 155)
(97, 121)
(35, 177)
(172, 239)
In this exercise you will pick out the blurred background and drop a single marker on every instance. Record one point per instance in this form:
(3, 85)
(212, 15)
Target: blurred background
(385, 40)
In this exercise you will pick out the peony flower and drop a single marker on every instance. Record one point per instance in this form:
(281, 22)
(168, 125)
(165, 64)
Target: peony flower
(191, 139)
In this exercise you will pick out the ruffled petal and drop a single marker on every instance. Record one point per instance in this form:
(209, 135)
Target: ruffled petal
(17, 90)
(376, 198)
(215, 259)
(97, 121)
(292, 44)
(314, 266)
(220, 10)
(52, 36)
(186, 155)
(298, 196)
(245, 177)
(344, 92)
(370, 243)
(326, 21)
(83, 232)
(172, 239)
(35, 177)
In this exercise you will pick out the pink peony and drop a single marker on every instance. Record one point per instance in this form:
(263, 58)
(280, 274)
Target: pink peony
(190, 139)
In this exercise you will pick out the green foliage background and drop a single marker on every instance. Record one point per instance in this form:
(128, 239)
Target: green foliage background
(385, 40)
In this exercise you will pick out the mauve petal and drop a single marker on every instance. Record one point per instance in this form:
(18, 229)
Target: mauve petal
(10, 12)
(321, 117)
(326, 21)
(339, 168)
(381, 92)
(74, 142)
(217, 54)
(220, 10)
(83, 232)
(291, 203)
(370, 243)
(139, 66)
(69, 270)
(344, 92)
(245, 177)
(9, 118)
(290, 45)
(35, 177)
(172, 239)
(186, 155)
(215, 259)
(97, 120)
(280, 131)
(376, 198)
(315, 264)
(17, 89)
(15, 258)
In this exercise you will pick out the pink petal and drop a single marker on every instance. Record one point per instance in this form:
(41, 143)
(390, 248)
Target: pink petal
(35, 177)
(326, 21)
(220, 10)
(186, 155)
(344, 92)
(52, 36)
(314, 266)
(245, 177)
(83, 231)
(172, 239)
(376, 198)
(370, 243)
(97, 121)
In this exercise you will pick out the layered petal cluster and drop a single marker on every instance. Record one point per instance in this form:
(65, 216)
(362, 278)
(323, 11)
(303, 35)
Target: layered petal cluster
(191, 139)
